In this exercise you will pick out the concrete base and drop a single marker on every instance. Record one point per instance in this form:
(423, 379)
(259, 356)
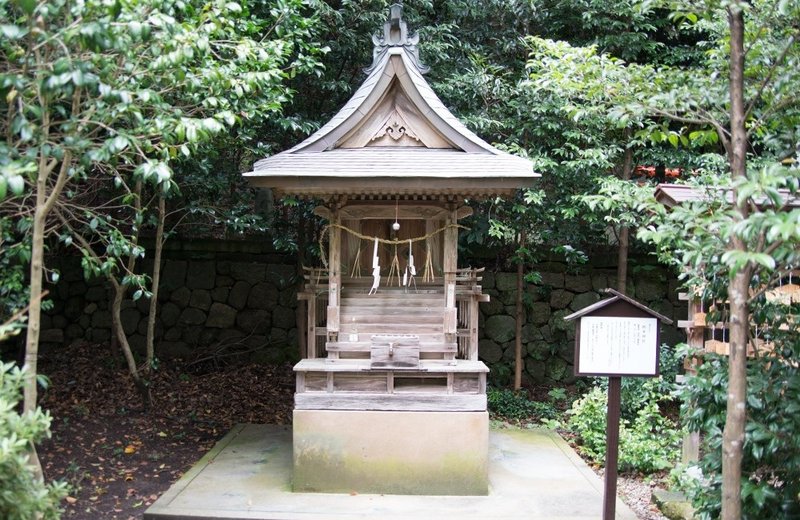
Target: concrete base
(397, 453)
(533, 475)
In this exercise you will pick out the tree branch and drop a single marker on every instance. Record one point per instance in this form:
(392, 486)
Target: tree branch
(774, 107)
(768, 77)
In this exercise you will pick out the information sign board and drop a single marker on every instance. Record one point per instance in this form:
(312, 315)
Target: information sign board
(617, 346)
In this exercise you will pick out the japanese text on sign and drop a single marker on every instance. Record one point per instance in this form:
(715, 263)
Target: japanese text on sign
(618, 346)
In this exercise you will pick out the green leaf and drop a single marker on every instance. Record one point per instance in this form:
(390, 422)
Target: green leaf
(43, 381)
(27, 6)
(3, 187)
(13, 32)
(17, 184)
(118, 144)
(673, 140)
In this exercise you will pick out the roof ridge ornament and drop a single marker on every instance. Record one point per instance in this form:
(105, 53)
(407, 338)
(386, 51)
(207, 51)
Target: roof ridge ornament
(395, 34)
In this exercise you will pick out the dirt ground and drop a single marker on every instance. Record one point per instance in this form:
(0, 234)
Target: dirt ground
(117, 458)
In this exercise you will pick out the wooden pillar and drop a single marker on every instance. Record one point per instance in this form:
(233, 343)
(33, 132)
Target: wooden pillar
(334, 274)
(311, 328)
(450, 263)
(695, 337)
(612, 448)
(472, 352)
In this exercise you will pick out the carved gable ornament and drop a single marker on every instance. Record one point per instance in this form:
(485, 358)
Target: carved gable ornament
(396, 121)
(395, 130)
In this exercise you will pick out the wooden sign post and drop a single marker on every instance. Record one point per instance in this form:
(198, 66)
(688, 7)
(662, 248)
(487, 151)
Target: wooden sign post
(616, 337)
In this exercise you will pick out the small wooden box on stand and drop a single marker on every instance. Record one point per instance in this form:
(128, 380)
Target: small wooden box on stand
(616, 337)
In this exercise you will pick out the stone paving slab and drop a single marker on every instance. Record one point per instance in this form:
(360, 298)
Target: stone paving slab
(533, 474)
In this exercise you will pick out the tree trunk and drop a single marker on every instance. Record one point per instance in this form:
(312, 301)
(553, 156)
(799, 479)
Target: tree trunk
(44, 204)
(520, 318)
(151, 316)
(622, 259)
(35, 312)
(34, 319)
(624, 231)
(122, 339)
(736, 415)
(119, 290)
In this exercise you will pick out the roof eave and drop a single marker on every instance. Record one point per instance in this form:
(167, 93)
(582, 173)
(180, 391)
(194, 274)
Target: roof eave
(322, 186)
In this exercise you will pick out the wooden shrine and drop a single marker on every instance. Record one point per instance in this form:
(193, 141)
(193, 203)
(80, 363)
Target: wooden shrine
(391, 395)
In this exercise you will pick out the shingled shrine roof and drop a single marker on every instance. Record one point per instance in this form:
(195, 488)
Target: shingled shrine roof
(393, 137)
(672, 195)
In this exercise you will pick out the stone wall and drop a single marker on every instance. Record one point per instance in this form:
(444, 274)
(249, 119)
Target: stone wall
(241, 296)
(212, 297)
(548, 341)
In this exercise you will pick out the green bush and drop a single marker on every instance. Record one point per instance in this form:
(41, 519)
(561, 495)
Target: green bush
(636, 391)
(23, 496)
(517, 405)
(650, 443)
(771, 458)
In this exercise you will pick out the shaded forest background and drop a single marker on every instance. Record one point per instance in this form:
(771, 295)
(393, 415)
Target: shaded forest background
(130, 123)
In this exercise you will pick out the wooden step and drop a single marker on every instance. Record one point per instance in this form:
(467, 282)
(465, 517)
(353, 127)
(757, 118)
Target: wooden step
(462, 366)
(390, 328)
(365, 336)
(392, 294)
(364, 346)
(393, 309)
(410, 302)
(380, 318)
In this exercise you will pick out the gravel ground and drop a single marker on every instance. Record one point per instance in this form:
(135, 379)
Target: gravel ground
(636, 493)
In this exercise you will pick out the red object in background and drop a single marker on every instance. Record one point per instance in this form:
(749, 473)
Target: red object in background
(651, 172)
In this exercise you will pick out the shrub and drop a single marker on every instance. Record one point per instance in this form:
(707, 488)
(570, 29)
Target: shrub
(771, 458)
(22, 495)
(650, 443)
(636, 391)
(516, 406)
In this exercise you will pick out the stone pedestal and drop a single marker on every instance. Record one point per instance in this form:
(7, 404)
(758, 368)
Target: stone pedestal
(399, 453)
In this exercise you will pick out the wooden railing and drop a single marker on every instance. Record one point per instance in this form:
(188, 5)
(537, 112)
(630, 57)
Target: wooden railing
(468, 294)
(315, 293)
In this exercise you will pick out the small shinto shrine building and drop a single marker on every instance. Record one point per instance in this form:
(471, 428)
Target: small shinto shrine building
(391, 395)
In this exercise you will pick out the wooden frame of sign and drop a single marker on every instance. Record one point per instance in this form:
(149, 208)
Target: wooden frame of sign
(615, 338)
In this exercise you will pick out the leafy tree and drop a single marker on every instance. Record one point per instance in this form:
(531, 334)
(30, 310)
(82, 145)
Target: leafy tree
(738, 242)
(108, 97)
(751, 120)
(759, 233)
